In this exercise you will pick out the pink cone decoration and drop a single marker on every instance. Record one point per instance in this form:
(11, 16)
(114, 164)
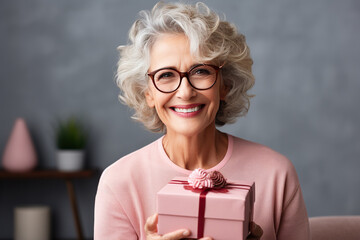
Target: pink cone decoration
(19, 154)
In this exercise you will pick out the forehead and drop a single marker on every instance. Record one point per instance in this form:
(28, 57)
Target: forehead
(168, 41)
(171, 50)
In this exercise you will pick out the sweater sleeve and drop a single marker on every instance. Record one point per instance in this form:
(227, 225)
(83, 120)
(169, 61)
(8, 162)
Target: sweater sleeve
(294, 223)
(111, 221)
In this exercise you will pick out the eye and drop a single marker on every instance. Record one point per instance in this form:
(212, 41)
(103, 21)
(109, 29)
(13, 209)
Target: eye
(165, 75)
(202, 71)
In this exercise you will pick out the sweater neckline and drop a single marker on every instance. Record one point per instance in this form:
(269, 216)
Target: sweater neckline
(181, 170)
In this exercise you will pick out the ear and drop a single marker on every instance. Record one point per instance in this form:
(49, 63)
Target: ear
(149, 98)
(223, 92)
(223, 89)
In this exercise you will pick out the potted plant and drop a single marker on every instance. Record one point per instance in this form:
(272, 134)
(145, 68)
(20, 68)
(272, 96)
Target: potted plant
(70, 142)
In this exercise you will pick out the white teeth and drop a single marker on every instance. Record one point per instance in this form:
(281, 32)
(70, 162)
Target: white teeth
(187, 110)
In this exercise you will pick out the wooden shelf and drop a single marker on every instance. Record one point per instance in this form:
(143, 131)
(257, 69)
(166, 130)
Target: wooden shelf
(46, 174)
(55, 174)
(55, 239)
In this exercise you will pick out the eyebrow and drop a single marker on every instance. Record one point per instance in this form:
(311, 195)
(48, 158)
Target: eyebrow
(173, 67)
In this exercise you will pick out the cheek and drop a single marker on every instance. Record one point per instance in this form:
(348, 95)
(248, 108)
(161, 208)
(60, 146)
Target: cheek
(216, 95)
(214, 102)
(153, 97)
(160, 100)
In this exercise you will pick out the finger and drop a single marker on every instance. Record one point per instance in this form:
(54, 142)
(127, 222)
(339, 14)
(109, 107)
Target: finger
(178, 234)
(151, 224)
(255, 232)
(206, 238)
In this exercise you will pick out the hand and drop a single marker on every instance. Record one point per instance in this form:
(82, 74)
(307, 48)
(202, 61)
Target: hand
(151, 231)
(255, 232)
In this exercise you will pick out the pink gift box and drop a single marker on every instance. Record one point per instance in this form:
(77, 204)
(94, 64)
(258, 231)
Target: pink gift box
(228, 211)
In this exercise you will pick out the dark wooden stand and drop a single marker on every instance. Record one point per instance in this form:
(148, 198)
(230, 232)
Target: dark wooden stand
(67, 177)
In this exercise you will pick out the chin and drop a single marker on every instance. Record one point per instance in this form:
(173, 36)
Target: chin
(189, 130)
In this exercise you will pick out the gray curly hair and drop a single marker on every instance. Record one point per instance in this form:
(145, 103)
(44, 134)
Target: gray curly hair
(211, 40)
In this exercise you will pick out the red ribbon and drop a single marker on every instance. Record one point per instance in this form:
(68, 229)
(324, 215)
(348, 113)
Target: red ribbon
(201, 215)
(202, 199)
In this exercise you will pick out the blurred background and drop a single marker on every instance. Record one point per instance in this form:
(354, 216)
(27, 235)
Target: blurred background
(58, 59)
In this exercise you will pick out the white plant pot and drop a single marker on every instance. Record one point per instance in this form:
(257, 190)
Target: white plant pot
(70, 160)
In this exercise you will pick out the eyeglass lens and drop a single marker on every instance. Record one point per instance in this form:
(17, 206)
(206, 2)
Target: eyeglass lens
(200, 77)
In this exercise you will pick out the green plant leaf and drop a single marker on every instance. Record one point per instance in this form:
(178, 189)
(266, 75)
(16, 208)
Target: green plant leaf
(70, 134)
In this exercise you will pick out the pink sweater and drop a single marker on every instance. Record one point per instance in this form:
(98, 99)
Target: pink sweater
(126, 194)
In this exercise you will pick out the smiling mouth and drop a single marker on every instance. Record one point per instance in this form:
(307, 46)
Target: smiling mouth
(187, 110)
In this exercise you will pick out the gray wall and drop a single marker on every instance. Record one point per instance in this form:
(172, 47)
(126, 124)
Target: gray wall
(58, 58)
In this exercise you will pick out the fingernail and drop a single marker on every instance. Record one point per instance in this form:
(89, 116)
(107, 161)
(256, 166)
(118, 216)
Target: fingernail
(186, 233)
(153, 218)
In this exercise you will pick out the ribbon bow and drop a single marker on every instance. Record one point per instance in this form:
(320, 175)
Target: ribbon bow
(200, 179)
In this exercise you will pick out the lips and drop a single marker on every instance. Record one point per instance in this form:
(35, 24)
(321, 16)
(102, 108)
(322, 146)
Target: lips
(187, 109)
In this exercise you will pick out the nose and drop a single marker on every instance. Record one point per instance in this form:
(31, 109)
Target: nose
(185, 90)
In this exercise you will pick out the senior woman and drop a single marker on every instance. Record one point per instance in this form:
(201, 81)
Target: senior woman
(184, 72)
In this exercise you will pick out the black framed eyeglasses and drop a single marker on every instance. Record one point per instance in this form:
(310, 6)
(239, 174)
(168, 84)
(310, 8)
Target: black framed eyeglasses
(200, 77)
